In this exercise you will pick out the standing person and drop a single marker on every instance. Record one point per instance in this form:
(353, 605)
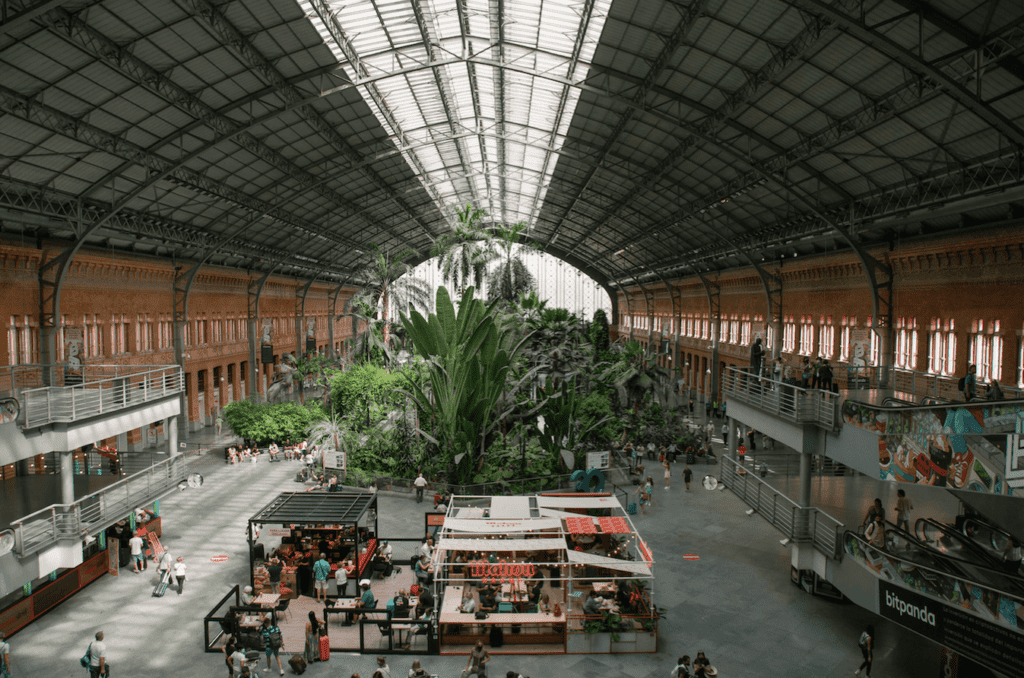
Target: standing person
(651, 454)
(382, 668)
(777, 369)
(97, 656)
(135, 544)
(1013, 554)
(714, 408)
(274, 568)
(163, 568)
(421, 484)
(682, 669)
(179, 573)
(825, 376)
(691, 406)
(687, 477)
(723, 409)
(971, 382)
(477, 662)
(311, 651)
(876, 533)
(875, 510)
(867, 649)
(756, 354)
(272, 641)
(805, 373)
(341, 577)
(417, 671)
(668, 473)
(5, 657)
(321, 570)
(232, 655)
(642, 491)
(741, 452)
(903, 508)
(725, 434)
(707, 409)
(752, 440)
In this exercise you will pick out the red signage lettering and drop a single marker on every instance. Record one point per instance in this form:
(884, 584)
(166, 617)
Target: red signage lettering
(500, 571)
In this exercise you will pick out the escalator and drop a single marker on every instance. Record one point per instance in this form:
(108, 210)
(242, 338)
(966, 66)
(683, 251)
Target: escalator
(949, 595)
(952, 543)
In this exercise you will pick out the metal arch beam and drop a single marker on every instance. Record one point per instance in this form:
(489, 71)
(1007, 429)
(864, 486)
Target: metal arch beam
(689, 18)
(954, 28)
(714, 294)
(97, 45)
(914, 63)
(230, 34)
(27, 14)
(254, 292)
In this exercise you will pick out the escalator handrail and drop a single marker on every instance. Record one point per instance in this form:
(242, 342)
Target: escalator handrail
(991, 528)
(989, 562)
(999, 573)
(1013, 596)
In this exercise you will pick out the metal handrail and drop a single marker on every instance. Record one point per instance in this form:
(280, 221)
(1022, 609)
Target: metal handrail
(792, 403)
(131, 385)
(914, 382)
(95, 511)
(802, 524)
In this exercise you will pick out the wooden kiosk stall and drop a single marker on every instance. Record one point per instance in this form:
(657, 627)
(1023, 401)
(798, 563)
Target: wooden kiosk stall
(531, 563)
(298, 526)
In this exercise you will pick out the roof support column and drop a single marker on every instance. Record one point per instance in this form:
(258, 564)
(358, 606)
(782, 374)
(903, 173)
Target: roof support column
(332, 311)
(255, 291)
(714, 293)
(183, 281)
(773, 296)
(300, 318)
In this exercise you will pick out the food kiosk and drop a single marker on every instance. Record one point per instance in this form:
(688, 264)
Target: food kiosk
(512, 552)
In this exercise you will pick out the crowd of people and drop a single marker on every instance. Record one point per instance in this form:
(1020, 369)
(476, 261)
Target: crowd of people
(700, 667)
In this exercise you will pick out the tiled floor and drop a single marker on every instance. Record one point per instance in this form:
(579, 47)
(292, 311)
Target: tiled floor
(736, 603)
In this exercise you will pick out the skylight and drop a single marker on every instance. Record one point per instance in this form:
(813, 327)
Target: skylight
(473, 93)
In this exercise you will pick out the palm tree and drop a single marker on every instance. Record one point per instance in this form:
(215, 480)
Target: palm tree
(466, 250)
(510, 278)
(385, 283)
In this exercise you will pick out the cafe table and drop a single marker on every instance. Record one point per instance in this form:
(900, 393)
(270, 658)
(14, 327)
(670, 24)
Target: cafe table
(266, 599)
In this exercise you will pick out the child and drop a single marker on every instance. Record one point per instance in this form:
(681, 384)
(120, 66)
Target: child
(668, 474)
(644, 497)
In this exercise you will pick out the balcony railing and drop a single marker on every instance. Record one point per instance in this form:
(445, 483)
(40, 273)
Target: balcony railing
(98, 510)
(792, 403)
(98, 389)
(800, 524)
(911, 382)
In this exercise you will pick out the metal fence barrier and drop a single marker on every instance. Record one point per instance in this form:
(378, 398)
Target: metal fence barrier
(792, 403)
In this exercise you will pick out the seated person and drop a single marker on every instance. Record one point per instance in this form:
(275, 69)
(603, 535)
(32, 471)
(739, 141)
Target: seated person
(459, 566)
(401, 610)
(247, 596)
(593, 605)
(488, 600)
(366, 599)
(545, 604)
(468, 602)
(535, 590)
(425, 601)
(424, 571)
(384, 550)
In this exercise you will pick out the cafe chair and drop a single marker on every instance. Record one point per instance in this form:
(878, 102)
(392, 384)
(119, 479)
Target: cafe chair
(386, 631)
(282, 607)
(505, 607)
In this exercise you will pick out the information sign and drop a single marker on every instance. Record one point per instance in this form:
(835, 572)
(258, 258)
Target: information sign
(600, 460)
(335, 459)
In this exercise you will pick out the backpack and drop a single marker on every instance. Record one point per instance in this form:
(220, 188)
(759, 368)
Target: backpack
(864, 638)
(275, 639)
(960, 384)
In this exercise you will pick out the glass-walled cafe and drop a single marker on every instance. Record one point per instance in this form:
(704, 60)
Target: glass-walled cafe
(543, 574)
(564, 573)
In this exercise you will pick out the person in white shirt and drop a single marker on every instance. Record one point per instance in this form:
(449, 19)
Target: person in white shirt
(135, 544)
(427, 548)
(179, 573)
(421, 484)
(97, 656)
(166, 563)
(247, 596)
(382, 668)
(240, 658)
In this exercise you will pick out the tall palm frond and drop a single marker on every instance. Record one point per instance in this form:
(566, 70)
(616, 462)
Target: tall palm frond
(386, 285)
(466, 250)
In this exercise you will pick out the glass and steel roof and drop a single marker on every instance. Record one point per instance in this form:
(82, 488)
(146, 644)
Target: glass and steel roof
(475, 94)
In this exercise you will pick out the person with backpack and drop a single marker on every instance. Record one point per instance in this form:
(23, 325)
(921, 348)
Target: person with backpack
(866, 644)
(96, 656)
(825, 376)
(969, 384)
(272, 641)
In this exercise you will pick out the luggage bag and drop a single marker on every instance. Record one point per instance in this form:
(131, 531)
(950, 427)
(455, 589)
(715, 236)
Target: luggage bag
(161, 587)
(325, 648)
(298, 664)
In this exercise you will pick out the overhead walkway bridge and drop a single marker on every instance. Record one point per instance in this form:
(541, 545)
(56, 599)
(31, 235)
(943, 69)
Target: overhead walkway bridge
(945, 582)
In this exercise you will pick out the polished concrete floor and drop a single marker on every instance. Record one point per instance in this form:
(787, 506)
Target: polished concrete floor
(736, 603)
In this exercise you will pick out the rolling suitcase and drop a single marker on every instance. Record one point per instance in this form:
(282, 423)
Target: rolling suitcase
(161, 587)
(298, 664)
(325, 648)
(389, 568)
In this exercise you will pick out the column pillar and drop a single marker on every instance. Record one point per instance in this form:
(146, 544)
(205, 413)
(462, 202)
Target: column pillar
(805, 478)
(171, 426)
(67, 477)
(732, 445)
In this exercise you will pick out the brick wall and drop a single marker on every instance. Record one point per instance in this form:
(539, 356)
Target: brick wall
(950, 279)
(106, 285)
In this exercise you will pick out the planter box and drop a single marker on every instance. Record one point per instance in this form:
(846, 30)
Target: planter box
(589, 643)
(646, 642)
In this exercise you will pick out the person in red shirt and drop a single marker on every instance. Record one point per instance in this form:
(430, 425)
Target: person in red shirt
(742, 452)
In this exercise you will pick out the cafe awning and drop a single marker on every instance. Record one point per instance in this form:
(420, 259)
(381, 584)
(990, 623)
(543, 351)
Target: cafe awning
(584, 558)
(500, 545)
(501, 526)
(577, 502)
(315, 508)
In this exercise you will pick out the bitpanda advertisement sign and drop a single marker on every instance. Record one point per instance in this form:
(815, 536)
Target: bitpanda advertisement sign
(997, 647)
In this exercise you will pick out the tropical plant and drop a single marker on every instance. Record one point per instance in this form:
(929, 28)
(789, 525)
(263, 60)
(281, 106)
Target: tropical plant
(466, 250)
(639, 376)
(599, 335)
(386, 285)
(468, 360)
(563, 429)
(510, 279)
(268, 423)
